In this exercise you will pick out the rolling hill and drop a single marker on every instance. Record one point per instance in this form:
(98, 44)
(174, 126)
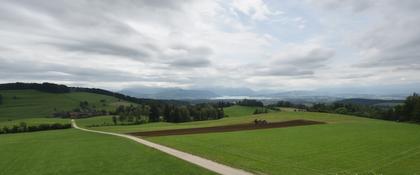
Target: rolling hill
(18, 104)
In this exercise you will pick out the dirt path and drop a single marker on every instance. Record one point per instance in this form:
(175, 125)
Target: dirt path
(226, 128)
(202, 162)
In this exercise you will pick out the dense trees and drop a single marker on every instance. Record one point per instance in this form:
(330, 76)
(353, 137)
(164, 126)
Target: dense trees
(260, 111)
(133, 114)
(23, 127)
(154, 114)
(84, 110)
(409, 111)
(224, 104)
(45, 87)
(197, 112)
(348, 108)
(247, 102)
(284, 104)
(169, 113)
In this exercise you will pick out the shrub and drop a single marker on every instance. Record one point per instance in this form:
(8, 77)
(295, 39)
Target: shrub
(22, 127)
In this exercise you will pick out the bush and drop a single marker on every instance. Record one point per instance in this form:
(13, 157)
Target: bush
(22, 127)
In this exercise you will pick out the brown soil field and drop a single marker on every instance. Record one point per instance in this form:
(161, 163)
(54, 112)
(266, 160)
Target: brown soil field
(226, 128)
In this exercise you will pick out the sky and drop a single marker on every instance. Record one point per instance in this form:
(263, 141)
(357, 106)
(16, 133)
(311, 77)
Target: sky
(273, 44)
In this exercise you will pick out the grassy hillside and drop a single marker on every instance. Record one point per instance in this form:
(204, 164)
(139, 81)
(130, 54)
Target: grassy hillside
(19, 104)
(348, 146)
(69, 152)
(238, 111)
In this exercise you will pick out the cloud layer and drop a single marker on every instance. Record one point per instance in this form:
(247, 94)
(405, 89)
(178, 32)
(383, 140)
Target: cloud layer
(236, 43)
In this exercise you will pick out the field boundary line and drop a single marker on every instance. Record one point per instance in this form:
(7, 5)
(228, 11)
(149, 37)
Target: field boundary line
(202, 162)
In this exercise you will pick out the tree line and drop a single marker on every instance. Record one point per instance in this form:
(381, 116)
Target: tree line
(409, 111)
(84, 110)
(165, 112)
(23, 127)
(45, 87)
(248, 102)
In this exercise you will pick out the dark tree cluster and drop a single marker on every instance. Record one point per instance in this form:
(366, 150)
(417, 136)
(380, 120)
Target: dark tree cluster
(260, 111)
(83, 111)
(45, 87)
(23, 127)
(224, 104)
(248, 102)
(169, 113)
(286, 104)
(198, 112)
(409, 111)
(348, 108)
(132, 114)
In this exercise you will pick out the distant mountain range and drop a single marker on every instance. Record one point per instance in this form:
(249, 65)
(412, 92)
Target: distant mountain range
(169, 93)
(240, 93)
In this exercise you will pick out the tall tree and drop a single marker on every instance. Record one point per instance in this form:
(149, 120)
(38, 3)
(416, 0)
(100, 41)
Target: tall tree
(154, 114)
(114, 119)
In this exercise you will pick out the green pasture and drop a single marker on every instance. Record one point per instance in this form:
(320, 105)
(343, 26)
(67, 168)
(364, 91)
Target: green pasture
(270, 117)
(346, 145)
(70, 151)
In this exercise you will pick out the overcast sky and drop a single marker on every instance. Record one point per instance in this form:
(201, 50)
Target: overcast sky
(279, 45)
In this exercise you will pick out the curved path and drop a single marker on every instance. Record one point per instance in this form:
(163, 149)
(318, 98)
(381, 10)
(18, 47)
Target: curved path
(202, 162)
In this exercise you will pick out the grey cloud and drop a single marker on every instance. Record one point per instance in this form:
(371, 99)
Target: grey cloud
(283, 71)
(394, 35)
(396, 40)
(31, 70)
(105, 48)
(191, 57)
(297, 64)
(314, 58)
(191, 62)
(356, 75)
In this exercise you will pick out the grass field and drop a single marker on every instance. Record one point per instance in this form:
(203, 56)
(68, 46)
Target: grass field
(35, 121)
(347, 145)
(69, 152)
(18, 104)
(238, 111)
(271, 117)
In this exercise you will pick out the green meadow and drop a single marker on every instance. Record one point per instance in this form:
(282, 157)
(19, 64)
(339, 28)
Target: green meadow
(238, 111)
(18, 104)
(271, 117)
(346, 145)
(70, 151)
